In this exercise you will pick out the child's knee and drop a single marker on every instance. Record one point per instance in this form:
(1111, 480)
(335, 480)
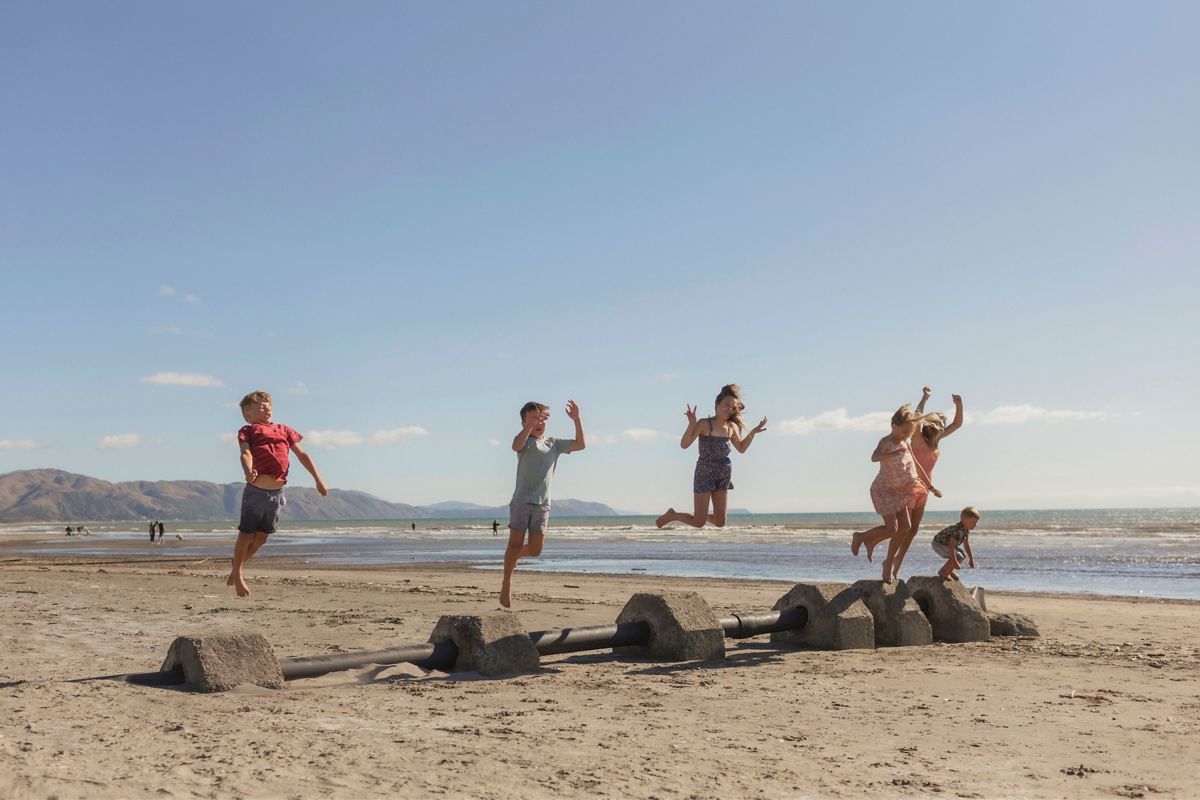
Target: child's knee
(719, 521)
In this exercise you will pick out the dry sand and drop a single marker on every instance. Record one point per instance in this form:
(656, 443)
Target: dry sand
(1105, 704)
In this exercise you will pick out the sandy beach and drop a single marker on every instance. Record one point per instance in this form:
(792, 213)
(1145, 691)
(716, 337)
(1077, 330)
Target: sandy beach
(1105, 703)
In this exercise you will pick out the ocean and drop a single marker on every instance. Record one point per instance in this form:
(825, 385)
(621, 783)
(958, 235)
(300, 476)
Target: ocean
(1135, 552)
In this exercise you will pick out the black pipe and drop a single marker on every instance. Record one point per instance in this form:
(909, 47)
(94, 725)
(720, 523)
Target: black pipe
(596, 637)
(743, 626)
(441, 655)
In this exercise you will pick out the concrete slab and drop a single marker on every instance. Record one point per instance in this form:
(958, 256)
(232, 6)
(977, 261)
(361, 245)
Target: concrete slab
(1011, 624)
(490, 644)
(898, 619)
(683, 627)
(219, 663)
(952, 612)
(837, 619)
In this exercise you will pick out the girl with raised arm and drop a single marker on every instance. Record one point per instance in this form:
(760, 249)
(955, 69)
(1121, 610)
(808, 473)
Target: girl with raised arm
(896, 488)
(714, 472)
(925, 452)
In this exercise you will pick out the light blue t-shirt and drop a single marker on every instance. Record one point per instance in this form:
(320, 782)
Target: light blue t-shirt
(535, 469)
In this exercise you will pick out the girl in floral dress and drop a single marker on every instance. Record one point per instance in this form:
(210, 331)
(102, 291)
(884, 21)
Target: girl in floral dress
(714, 472)
(896, 488)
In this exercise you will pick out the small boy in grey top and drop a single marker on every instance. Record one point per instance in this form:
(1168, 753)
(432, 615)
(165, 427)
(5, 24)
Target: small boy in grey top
(530, 506)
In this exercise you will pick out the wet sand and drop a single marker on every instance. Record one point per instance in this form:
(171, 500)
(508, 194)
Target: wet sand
(1105, 704)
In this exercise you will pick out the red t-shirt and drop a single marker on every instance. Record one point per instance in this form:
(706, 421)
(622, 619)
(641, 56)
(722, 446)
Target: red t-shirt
(269, 445)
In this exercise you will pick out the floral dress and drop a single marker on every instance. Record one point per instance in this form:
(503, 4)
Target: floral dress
(897, 485)
(714, 471)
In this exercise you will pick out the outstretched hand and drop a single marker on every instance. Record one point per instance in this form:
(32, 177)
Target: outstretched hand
(957, 398)
(762, 426)
(927, 392)
(934, 492)
(691, 414)
(572, 410)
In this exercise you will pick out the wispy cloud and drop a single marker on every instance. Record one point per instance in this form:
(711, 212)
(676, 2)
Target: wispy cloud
(494, 442)
(334, 440)
(181, 379)
(191, 298)
(1018, 415)
(202, 332)
(164, 329)
(602, 438)
(837, 420)
(380, 438)
(298, 388)
(166, 290)
(124, 441)
(23, 444)
(641, 435)
(668, 376)
(228, 438)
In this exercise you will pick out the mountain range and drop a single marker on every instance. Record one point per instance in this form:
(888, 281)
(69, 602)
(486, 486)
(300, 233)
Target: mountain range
(51, 494)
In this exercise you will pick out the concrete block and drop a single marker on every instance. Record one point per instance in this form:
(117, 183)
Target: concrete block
(952, 612)
(683, 627)
(219, 663)
(837, 619)
(1011, 624)
(898, 619)
(490, 644)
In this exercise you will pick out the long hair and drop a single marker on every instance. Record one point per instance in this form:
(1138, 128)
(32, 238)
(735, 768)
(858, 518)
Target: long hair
(932, 429)
(734, 391)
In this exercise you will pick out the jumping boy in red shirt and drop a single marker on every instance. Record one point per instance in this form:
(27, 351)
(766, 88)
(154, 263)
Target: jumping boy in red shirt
(265, 461)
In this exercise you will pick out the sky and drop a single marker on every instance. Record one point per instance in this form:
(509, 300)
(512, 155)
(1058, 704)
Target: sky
(406, 220)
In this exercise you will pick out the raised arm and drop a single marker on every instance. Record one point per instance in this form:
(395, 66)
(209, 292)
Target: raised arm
(693, 429)
(248, 463)
(925, 393)
(307, 462)
(579, 442)
(958, 416)
(531, 421)
(743, 445)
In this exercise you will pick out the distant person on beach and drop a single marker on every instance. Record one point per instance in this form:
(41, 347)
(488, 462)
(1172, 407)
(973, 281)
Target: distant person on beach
(529, 509)
(264, 458)
(495, 527)
(925, 452)
(950, 542)
(714, 472)
(414, 526)
(895, 490)
(70, 531)
(153, 530)
(161, 531)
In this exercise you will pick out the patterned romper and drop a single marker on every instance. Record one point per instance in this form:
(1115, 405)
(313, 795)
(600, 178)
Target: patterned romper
(897, 485)
(713, 469)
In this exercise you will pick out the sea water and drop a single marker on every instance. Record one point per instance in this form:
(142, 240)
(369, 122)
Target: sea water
(1146, 552)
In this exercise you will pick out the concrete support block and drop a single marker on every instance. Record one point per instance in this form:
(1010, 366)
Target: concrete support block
(898, 619)
(837, 620)
(952, 612)
(1011, 624)
(683, 627)
(490, 644)
(219, 663)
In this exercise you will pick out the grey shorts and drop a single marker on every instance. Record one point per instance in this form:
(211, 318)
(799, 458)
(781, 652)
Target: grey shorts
(260, 509)
(944, 551)
(528, 517)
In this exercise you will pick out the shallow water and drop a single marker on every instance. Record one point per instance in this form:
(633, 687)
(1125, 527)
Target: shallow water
(1148, 552)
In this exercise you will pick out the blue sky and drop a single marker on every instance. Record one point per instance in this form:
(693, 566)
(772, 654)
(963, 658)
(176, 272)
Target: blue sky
(398, 217)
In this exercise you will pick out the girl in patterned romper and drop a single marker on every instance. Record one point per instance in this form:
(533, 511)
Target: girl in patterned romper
(714, 473)
(900, 483)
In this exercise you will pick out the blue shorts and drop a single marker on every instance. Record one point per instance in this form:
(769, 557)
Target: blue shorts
(528, 517)
(260, 509)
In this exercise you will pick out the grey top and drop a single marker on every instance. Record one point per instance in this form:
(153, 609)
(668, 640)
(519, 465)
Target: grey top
(535, 469)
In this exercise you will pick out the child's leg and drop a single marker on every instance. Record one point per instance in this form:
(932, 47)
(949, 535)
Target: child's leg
(695, 519)
(516, 542)
(874, 536)
(915, 516)
(903, 522)
(720, 499)
(247, 545)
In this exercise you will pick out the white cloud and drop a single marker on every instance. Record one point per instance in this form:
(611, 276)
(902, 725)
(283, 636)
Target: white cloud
(494, 442)
(23, 444)
(333, 440)
(602, 438)
(166, 290)
(124, 441)
(1136, 413)
(202, 332)
(227, 437)
(380, 438)
(1017, 415)
(165, 329)
(837, 420)
(641, 435)
(191, 298)
(668, 376)
(298, 388)
(181, 379)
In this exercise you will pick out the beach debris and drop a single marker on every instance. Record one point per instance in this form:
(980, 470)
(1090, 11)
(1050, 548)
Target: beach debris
(952, 612)
(837, 618)
(1011, 624)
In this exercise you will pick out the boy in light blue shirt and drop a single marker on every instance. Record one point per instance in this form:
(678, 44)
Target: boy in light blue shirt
(530, 506)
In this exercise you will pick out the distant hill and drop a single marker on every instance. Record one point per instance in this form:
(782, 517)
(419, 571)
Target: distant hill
(457, 505)
(51, 494)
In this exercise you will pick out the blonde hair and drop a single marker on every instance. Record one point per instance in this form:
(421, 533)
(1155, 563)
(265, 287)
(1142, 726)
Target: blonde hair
(531, 406)
(255, 397)
(932, 429)
(905, 414)
(734, 391)
(970, 511)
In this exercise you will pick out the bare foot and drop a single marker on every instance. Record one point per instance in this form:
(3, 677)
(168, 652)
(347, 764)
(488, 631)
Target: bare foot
(506, 596)
(856, 542)
(870, 551)
(666, 518)
(240, 584)
(896, 570)
(887, 571)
